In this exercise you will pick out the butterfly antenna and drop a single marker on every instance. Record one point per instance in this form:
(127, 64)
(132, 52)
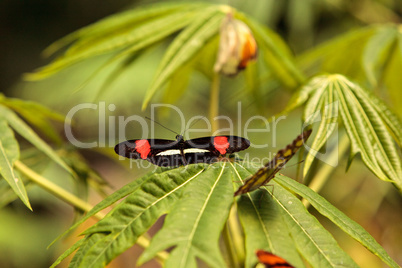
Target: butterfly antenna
(162, 125)
(192, 124)
(295, 164)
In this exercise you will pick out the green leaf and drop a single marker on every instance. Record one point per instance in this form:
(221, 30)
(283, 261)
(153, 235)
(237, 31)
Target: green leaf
(206, 204)
(340, 219)
(368, 134)
(120, 229)
(68, 252)
(315, 89)
(312, 91)
(125, 41)
(108, 201)
(263, 225)
(113, 76)
(25, 131)
(115, 24)
(9, 153)
(392, 121)
(36, 161)
(178, 84)
(326, 112)
(203, 62)
(377, 50)
(86, 245)
(312, 240)
(367, 120)
(288, 214)
(185, 47)
(7, 194)
(391, 76)
(158, 32)
(37, 115)
(198, 199)
(340, 55)
(373, 53)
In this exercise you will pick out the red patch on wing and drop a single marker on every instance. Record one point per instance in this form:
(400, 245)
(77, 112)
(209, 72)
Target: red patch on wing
(143, 147)
(271, 260)
(221, 144)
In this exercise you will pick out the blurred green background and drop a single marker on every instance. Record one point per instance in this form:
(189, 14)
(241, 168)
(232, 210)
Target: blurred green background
(27, 27)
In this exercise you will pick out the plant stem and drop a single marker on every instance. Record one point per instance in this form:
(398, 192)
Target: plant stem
(55, 189)
(237, 238)
(227, 239)
(214, 102)
(325, 172)
(71, 199)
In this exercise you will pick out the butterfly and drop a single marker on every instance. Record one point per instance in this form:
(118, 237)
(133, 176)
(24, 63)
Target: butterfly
(178, 152)
(268, 172)
(271, 260)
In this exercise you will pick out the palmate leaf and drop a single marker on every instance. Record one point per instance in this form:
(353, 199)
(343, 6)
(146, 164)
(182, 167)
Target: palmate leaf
(185, 47)
(370, 125)
(120, 229)
(142, 29)
(198, 199)
(367, 132)
(263, 225)
(142, 37)
(156, 30)
(291, 229)
(341, 220)
(320, 108)
(315, 243)
(108, 201)
(119, 34)
(391, 120)
(113, 24)
(123, 35)
(194, 224)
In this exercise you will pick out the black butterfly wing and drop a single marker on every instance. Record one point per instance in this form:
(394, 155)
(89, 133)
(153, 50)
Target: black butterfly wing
(167, 160)
(144, 149)
(218, 145)
(194, 158)
(168, 152)
(160, 152)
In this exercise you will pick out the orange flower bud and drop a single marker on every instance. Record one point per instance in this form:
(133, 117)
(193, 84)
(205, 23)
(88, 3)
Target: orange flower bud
(237, 47)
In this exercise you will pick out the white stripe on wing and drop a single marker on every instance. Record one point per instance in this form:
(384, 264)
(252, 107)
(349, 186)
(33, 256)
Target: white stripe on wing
(185, 151)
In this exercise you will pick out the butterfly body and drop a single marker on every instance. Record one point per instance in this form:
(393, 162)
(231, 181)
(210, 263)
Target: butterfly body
(268, 171)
